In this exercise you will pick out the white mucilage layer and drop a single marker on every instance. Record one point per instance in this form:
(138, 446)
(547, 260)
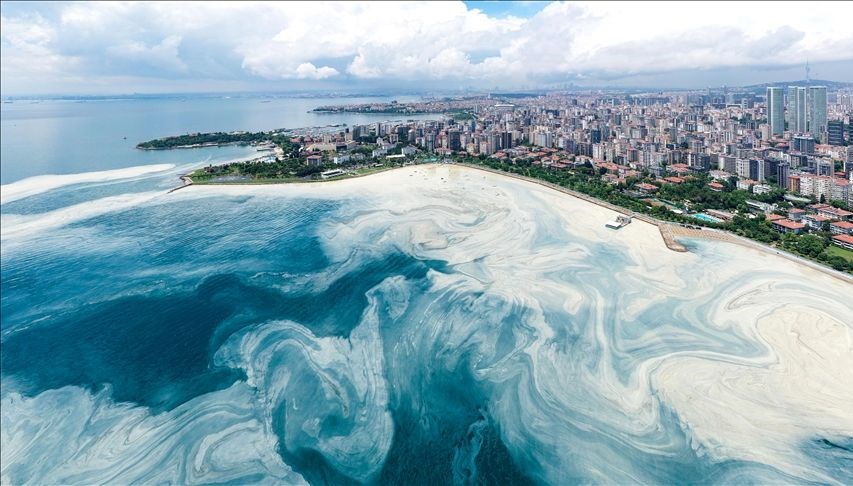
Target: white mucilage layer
(605, 356)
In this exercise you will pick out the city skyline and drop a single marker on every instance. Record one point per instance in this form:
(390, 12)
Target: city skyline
(105, 48)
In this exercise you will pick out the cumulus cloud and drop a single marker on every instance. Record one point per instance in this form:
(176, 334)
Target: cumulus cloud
(407, 41)
(310, 71)
(27, 47)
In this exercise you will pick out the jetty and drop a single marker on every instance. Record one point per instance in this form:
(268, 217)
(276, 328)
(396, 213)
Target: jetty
(186, 182)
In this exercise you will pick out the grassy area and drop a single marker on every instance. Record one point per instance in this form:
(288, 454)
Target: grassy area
(216, 180)
(460, 115)
(835, 250)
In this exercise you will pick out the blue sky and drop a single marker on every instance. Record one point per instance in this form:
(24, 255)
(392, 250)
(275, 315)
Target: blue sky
(149, 47)
(505, 8)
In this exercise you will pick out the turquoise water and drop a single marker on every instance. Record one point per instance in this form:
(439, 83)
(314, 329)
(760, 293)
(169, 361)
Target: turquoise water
(705, 217)
(444, 329)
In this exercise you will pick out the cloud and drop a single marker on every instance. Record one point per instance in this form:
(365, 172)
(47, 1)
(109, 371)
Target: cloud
(27, 48)
(310, 71)
(163, 55)
(91, 43)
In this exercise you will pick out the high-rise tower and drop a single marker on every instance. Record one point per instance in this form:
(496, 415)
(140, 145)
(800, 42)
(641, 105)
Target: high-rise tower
(776, 110)
(817, 111)
(802, 107)
(791, 108)
(796, 109)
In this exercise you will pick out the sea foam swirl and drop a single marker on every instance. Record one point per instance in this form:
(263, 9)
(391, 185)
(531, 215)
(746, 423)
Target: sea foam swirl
(440, 324)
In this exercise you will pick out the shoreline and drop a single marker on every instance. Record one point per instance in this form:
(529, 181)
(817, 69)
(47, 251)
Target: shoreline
(376, 112)
(276, 182)
(194, 146)
(669, 232)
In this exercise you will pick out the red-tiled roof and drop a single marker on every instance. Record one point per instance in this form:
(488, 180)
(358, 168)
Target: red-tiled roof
(787, 223)
(843, 224)
(774, 217)
(844, 238)
(837, 212)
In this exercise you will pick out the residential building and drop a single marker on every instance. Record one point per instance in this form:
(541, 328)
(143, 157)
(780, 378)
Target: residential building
(817, 186)
(454, 140)
(844, 241)
(841, 228)
(794, 184)
(745, 184)
(815, 222)
(804, 144)
(782, 173)
(831, 212)
(835, 132)
(796, 214)
(761, 188)
(788, 226)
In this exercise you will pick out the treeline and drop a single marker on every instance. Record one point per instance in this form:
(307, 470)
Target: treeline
(695, 189)
(281, 169)
(218, 138)
(818, 246)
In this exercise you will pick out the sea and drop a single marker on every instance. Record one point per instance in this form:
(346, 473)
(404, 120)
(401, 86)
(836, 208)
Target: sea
(71, 136)
(430, 325)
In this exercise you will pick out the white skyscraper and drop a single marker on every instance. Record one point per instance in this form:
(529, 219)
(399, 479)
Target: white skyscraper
(817, 112)
(776, 110)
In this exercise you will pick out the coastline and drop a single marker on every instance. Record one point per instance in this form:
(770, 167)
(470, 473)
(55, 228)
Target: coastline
(193, 146)
(277, 182)
(357, 112)
(669, 232)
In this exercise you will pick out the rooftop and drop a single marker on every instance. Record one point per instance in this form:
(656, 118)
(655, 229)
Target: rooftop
(844, 238)
(787, 223)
